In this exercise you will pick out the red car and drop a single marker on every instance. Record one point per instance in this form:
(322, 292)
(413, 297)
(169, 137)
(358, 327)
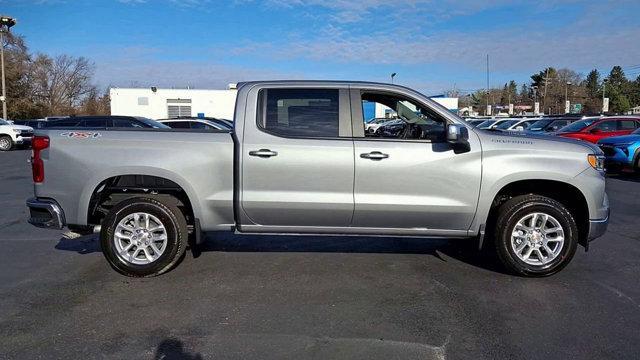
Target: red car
(594, 129)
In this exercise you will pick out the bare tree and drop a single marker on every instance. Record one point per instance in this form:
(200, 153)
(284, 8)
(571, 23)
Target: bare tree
(62, 82)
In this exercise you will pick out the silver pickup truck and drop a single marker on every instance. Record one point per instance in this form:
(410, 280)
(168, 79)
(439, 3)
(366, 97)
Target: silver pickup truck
(299, 161)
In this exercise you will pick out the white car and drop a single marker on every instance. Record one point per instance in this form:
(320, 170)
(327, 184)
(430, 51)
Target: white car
(371, 126)
(12, 135)
(198, 123)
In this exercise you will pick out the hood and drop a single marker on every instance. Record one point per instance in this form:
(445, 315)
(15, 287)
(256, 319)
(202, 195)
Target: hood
(22, 127)
(620, 139)
(538, 140)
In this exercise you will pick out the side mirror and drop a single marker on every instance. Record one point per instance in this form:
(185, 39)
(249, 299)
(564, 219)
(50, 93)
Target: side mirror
(458, 137)
(519, 128)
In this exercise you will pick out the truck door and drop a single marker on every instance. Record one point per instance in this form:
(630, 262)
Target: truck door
(297, 159)
(407, 177)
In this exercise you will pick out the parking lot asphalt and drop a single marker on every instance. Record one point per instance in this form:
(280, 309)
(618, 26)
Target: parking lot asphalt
(297, 297)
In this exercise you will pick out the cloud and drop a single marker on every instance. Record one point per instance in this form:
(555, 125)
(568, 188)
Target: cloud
(579, 43)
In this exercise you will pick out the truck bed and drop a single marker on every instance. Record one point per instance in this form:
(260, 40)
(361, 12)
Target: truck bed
(200, 162)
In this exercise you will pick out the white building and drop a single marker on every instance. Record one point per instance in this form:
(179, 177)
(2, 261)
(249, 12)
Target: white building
(157, 103)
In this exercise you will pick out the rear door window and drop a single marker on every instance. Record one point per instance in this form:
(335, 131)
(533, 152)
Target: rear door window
(627, 125)
(178, 124)
(606, 126)
(126, 123)
(300, 112)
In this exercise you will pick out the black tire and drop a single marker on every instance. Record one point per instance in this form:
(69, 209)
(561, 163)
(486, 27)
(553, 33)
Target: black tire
(6, 143)
(515, 209)
(176, 231)
(636, 162)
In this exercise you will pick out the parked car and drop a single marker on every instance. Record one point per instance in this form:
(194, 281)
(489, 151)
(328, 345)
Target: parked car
(197, 123)
(522, 124)
(548, 125)
(594, 129)
(12, 135)
(475, 122)
(622, 151)
(289, 167)
(75, 122)
(372, 125)
(486, 124)
(34, 123)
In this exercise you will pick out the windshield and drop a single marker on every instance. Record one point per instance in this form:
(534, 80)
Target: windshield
(4, 122)
(506, 124)
(485, 124)
(152, 123)
(539, 125)
(577, 126)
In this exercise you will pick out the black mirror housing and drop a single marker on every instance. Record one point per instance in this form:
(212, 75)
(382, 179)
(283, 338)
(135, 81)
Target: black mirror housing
(458, 137)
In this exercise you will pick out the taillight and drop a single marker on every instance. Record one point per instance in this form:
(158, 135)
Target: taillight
(38, 143)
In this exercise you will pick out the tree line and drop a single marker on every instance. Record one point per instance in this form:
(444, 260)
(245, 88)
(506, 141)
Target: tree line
(551, 87)
(39, 85)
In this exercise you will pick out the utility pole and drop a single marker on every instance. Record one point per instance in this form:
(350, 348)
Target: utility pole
(487, 109)
(392, 76)
(544, 96)
(5, 24)
(566, 98)
(604, 86)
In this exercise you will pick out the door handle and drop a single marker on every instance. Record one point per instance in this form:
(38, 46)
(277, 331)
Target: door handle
(374, 155)
(263, 153)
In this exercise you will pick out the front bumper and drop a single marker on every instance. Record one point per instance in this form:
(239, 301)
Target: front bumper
(597, 228)
(45, 213)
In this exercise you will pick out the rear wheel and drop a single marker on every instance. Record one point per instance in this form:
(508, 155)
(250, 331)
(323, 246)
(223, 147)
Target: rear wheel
(143, 237)
(5, 143)
(535, 235)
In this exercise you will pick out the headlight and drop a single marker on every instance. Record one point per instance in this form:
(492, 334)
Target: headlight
(596, 161)
(17, 131)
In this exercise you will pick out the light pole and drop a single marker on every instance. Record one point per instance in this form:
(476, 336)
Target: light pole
(566, 98)
(392, 76)
(5, 24)
(604, 87)
(535, 99)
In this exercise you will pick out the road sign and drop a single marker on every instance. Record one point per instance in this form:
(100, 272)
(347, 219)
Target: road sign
(576, 108)
(488, 110)
(510, 109)
(567, 107)
(605, 105)
(536, 108)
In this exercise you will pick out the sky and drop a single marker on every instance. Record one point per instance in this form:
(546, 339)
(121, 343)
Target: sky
(433, 46)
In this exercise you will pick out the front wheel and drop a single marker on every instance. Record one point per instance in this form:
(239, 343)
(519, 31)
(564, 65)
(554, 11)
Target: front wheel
(535, 235)
(143, 237)
(5, 143)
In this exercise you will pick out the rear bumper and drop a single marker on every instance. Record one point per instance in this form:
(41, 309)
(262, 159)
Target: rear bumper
(45, 213)
(597, 228)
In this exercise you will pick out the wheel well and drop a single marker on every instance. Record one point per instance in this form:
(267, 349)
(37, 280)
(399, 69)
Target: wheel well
(567, 194)
(118, 188)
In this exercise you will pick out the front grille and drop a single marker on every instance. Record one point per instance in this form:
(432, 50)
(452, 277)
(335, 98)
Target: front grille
(608, 150)
(26, 133)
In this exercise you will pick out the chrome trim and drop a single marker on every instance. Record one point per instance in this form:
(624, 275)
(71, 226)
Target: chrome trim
(57, 220)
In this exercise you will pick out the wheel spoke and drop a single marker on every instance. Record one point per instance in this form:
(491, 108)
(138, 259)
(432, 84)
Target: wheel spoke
(552, 230)
(555, 239)
(146, 221)
(527, 253)
(123, 236)
(521, 247)
(148, 256)
(548, 250)
(125, 250)
(155, 248)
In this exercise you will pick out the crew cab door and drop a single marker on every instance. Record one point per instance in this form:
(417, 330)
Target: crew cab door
(297, 159)
(408, 179)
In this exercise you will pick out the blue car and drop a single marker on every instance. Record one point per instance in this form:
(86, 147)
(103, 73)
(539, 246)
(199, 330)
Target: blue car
(622, 151)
